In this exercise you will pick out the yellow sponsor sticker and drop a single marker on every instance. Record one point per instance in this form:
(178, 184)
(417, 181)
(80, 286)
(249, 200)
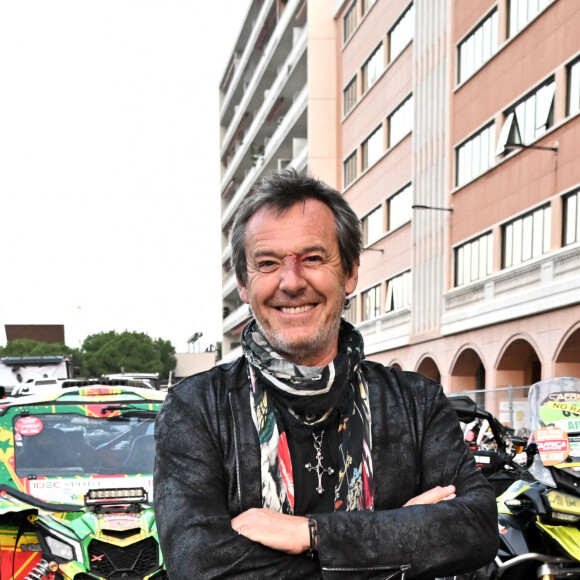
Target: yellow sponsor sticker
(562, 406)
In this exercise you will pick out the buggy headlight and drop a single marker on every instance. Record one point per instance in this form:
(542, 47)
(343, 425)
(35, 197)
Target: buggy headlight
(66, 549)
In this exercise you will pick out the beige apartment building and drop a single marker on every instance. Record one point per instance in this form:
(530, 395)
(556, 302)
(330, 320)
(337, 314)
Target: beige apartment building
(457, 142)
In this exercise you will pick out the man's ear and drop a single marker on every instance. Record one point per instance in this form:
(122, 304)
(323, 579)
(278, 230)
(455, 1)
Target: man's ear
(243, 292)
(351, 280)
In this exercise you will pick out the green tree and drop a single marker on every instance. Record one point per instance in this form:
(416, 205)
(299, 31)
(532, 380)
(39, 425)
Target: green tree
(167, 355)
(112, 352)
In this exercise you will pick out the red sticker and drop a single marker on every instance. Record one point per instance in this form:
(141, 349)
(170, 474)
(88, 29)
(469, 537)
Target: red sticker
(28, 426)
(553, 445)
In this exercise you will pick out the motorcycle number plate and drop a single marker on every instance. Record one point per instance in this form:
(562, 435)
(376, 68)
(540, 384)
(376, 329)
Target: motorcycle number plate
(553, 445)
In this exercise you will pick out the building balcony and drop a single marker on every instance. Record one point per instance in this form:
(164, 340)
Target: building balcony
(242, 93)
(229, 286)
(242, 62)
(386, 332)
(237, 318)
(265, 106)
(227, 253)
(295, 117)
(546, 283)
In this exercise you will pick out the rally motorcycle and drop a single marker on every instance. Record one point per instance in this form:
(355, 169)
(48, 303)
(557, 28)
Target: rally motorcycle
(495, 448)
(76, 484)
(539, 513)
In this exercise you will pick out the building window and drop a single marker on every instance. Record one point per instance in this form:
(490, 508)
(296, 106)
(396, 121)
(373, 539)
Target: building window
(372, 148)
(373, 68)
(572, 218)
(521, 12)
(349, 96)
(529, 119)
(402, 33)
(401, 122)
(400, 207)
(474, 260)
(372, 225)
(349, 169)
(476, 155)
(371, 302)
(574, 88)
(527, 237)
(349, 22)
(366, 5)
(398, 292)
(478, 47)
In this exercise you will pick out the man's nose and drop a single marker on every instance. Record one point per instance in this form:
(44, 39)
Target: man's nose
(291, 276)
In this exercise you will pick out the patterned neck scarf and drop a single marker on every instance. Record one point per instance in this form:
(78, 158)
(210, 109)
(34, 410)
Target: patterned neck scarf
(311, 394)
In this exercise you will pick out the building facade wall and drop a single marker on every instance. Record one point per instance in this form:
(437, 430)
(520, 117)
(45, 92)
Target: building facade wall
(516, 323)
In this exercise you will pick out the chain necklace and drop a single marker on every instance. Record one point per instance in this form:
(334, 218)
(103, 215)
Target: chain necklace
(318, 467)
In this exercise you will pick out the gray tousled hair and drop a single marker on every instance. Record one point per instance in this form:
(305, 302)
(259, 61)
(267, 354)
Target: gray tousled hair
(281, 191)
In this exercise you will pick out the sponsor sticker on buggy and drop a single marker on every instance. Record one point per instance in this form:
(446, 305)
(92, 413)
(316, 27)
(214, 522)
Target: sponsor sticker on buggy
(28, 426)
(553, 445)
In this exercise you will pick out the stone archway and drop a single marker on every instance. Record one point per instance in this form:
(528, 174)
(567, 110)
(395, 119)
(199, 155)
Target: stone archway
(468, 374)
(567, 359)
(518, 368)
(518, 364)
(428, 368)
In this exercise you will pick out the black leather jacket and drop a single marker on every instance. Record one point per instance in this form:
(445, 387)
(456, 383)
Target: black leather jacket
(208, 471)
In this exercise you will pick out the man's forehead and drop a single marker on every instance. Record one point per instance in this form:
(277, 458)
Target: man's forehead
(299, 230)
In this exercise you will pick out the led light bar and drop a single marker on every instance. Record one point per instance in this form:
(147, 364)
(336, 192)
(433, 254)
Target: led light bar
(99, 496)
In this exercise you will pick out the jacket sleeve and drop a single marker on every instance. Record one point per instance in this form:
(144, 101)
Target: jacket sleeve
(191, 500)
(431, 540)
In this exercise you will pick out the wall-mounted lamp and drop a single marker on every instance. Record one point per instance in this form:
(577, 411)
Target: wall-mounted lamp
(420, 206)
(512, 129)
(512, 146)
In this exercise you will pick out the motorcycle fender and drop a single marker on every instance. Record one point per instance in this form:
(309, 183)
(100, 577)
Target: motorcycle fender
(567, 536)
(511, 536)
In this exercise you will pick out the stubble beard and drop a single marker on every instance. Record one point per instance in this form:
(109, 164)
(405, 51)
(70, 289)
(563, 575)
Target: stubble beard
(298, 351)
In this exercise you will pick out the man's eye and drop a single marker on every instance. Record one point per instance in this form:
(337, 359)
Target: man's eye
(313, 260)
(267, 266)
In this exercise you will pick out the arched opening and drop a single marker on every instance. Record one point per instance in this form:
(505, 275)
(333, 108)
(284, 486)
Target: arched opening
(468, 374)
(519, 365)
(428, 368)
(567, 361)
(518, 368)
(396, 364)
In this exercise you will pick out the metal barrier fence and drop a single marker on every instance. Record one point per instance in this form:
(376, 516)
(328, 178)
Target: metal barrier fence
(508, 404)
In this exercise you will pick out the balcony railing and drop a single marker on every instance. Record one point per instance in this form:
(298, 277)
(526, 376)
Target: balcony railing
(545, 283)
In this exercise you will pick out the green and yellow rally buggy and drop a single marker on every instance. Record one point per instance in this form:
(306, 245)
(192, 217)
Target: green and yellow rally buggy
(76, 475)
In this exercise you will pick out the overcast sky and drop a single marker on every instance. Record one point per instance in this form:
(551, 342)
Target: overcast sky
(109, 165)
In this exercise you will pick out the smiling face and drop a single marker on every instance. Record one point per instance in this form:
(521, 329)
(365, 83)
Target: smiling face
(296, 285)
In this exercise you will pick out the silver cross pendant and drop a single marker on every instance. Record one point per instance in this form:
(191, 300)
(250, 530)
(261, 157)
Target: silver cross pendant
(318, 467)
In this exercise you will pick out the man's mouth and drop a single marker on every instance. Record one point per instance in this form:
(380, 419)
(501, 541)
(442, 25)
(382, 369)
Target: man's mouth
(296, 309)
